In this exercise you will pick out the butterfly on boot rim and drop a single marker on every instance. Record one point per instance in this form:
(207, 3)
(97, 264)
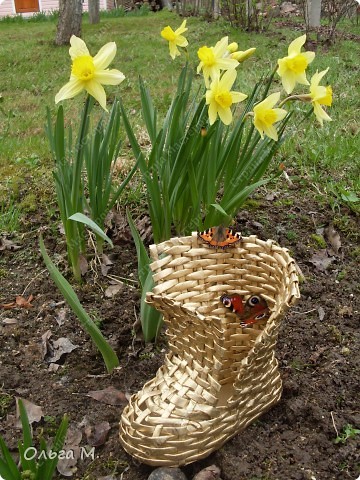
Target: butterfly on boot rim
(250, 311)
(220, 237)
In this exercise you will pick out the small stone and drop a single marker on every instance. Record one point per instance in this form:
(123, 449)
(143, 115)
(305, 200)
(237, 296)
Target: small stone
(208, 473)
(167, 473)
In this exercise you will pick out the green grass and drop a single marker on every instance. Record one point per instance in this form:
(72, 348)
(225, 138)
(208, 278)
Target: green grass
(10, 216)
(34, 69)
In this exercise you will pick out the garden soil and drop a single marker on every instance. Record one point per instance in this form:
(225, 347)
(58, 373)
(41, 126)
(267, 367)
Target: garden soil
(318, 350)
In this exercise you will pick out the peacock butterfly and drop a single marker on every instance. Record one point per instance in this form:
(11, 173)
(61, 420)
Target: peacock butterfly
(250, 311)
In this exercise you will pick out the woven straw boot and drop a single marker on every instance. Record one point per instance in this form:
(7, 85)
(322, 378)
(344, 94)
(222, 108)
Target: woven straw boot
(217, 377)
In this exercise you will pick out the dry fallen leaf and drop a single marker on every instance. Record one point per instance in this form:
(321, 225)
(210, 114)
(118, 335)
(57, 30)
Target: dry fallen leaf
(109, 395)
(83, 263)
(61, 316)
(8, 245)
(112, 290)
(53, 350)
(333, 237)
(106, 260)
(106, 264)
(321, 260)
(45, 342)
(34, 412)
(67, 466)
(20, 301)
(97, 434)
(59, 348)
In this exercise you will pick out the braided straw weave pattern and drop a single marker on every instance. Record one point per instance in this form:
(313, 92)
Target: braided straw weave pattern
(217, 377)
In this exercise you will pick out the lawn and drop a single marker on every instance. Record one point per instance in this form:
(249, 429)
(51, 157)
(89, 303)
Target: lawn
(313, 432)
(33, 70)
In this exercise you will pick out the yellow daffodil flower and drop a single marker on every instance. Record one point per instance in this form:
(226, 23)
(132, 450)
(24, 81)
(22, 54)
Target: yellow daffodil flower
(213, 60)
(220, 97)
(265, 116)
(175, 39)
(292, 68)
(240, 56)
(320, 96)
(90, 73)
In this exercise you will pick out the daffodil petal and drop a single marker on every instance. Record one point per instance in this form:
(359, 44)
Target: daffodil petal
(317, 93)
(225, 115)
(316, 78)
(280, 113)
(181, 29)
(270, 131)
(295, 45)
(96, 90)
(271, 100)
(228, 79)
(209, 96)
(259, 127)
(221, 47)
(181, 41)
(309, 56)
(69, 90)
(289, 82)
(78, 47)
(109, 77)
(105, 56)
(320, 114)
(212, 113)
(238, 97)
(174, 52)
(301, 78)
(227, 63)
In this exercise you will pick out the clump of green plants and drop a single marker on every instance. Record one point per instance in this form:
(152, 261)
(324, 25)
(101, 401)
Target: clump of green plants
(210, 153)
(30, 468)
(10, 217)
(291, 235)
(348, 432)
(83, 170)
(5, 399)
(319, 240)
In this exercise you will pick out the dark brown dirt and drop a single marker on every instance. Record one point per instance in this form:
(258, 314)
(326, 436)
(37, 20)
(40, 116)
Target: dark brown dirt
(318, 351)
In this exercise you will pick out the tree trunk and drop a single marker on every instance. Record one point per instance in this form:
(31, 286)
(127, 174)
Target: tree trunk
(216, 9)
(94, 11)
(69, 23)
(167, 4)
(314, 13)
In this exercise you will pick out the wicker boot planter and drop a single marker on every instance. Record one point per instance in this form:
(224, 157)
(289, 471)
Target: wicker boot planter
(217, 377)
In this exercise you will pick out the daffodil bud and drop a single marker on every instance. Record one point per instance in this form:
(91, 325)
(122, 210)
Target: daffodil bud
(241, 56)
(233, 47)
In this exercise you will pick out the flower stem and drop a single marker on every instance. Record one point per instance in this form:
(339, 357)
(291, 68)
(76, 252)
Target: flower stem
(76, 192)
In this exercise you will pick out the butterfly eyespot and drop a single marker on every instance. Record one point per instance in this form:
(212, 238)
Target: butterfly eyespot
(226, 301)
(254, 300)
(260, 316)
